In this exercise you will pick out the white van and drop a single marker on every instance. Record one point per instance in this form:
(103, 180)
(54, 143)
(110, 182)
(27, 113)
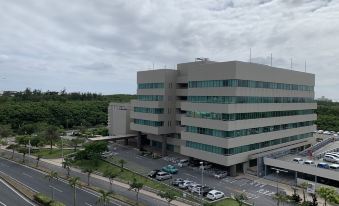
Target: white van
(330, 158)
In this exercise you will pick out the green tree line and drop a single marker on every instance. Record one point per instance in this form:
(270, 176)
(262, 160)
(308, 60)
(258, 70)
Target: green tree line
(27, 110)
(328, 116)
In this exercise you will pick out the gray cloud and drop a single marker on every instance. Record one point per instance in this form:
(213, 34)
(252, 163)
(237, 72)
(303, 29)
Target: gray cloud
(99, 45)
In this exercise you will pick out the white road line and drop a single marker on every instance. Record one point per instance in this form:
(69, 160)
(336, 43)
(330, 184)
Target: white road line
(20, 182)
(27, 175)
(22, 197)
(190, 175)
(3, 204)
(86, 203)
(55, 188)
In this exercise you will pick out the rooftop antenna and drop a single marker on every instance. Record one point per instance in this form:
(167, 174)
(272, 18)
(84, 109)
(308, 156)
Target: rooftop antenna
(271, 59)
(153, 66)
(291, 63)
(250, 55)
(305, 65)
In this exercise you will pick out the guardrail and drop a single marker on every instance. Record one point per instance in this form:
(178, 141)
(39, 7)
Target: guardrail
(318, 145)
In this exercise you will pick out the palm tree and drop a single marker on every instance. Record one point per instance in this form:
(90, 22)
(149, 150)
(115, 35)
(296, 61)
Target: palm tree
(13, 147)
(240, 198)
(122, 162)
(67, 165)
(51, 176)
(89, 170)
(24, 152)
(304, 187)
(327, 193)
(75, 142)
(38, 159)
(280, 198)
(110, 175)
(51, 135)
(104, 198)
(73, 182)
(168, 195)
(136, 187)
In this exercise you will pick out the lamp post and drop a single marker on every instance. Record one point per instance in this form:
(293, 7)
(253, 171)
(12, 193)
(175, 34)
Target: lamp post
(202, 180)
(62, 149)
(277, 171)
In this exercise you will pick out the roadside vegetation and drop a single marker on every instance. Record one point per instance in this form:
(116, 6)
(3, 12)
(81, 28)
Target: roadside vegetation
(328, 116)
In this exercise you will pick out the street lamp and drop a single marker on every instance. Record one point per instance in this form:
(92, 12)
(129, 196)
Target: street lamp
(277, 171)
(202, 180)
(62, 149)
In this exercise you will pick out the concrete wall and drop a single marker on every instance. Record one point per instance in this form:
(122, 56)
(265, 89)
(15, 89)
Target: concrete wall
(119, 119)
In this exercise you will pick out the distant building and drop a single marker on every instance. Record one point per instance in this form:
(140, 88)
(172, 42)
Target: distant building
(227, 113)
(324, 99)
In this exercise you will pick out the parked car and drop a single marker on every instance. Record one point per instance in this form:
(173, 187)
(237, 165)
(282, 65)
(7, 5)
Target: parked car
(177, 181)
(330, 158)
(214, 195)
(323, 165)
(320, 131)
(184, 185)
(192, 186)
(204, 190)
(334, 166)
(170, 169)
(106, 154)
(220, 175)
(298, 160)
(153, 173)
(183, 163)
(326, 132)
(309, 162)
(334, 154)
(163, 176)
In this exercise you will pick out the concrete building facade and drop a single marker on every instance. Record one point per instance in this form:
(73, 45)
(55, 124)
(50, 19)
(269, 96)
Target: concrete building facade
(226, 113)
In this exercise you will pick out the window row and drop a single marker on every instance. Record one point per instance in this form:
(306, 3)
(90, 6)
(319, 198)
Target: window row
(245, 148)
(243, 116)
(248, 83)
(149, 122)
(245, 132)
(247, 99)
(149, 110)
(150, 97)
(150, 85)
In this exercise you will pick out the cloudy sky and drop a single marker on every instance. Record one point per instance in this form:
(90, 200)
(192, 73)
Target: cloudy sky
(98, 45)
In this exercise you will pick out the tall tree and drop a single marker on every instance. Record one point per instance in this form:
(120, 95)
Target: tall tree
(110, 175)
(122, 162)
(38, 159)
(24, 151)
(304, 187)
(52, 135)
(168, 195)
(13, 147)
(327, 193)
(74, 182)
(240, 199)
(51, 176)
(280, 198)
(136, 186)
(103, 198)
(67, 165)
(89, 170)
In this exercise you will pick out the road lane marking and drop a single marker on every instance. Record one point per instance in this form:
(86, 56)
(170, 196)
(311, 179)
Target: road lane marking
(3, 204)
(55, 188)
(86, 203)
(190, 175)
(17, 193)
(20, 182)
(26, 175)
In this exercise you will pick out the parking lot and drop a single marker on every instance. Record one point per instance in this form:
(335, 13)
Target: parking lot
(260, 194)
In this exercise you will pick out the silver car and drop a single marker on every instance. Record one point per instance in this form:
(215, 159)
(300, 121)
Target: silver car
(163, 176)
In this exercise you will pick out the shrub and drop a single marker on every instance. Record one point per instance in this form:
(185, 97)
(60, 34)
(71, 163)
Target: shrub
(43, 199)
(56, 203)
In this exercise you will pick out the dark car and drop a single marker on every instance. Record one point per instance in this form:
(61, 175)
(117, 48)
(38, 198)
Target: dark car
(177, 181)
(153, 173)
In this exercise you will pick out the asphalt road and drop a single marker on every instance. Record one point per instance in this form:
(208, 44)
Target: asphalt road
(259, 194)
(146, 200)
(10, 197)
(37, 181)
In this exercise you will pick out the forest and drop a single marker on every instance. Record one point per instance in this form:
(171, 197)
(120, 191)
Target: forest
(28, 110)
(328, 116)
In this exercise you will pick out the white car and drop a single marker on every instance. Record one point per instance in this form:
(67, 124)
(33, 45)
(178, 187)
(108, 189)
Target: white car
(214, 195)
(330, 158)
(193, 186)
(334, 166)
(163, 176)
(184, 185)
(326, 132)
(298, 160)
(183, 163)
(320, 131)
(309, 162)
(220, 175)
